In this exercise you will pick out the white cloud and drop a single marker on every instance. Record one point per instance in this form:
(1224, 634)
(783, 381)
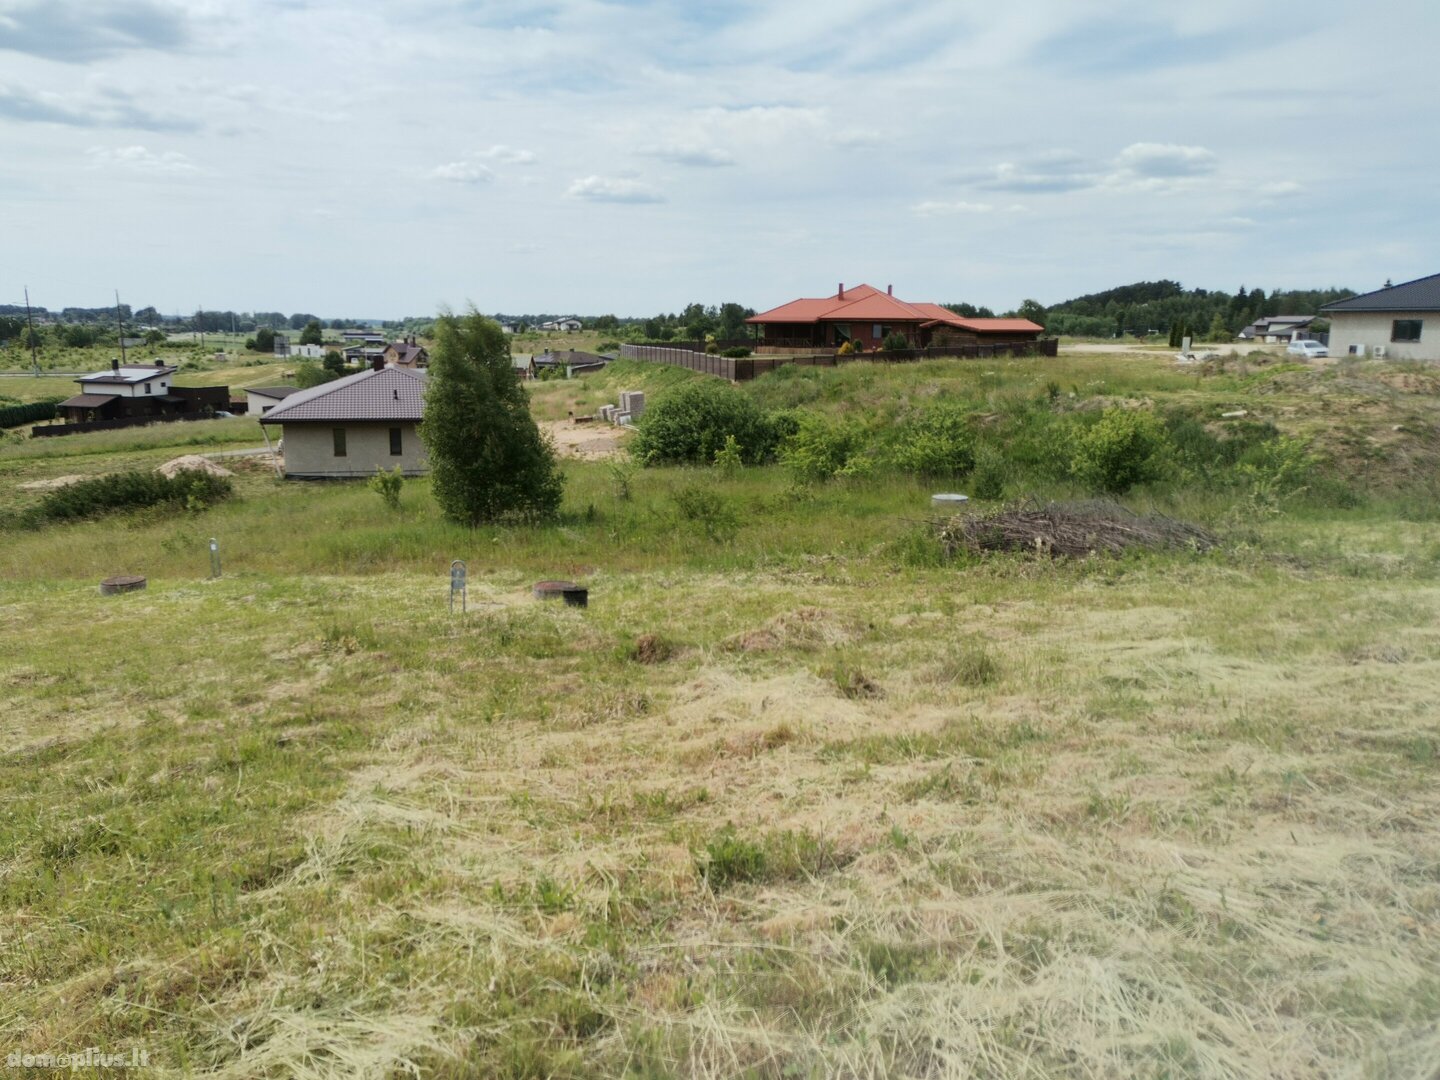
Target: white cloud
(508, 155)
(1165, 160)
(139, 159)
(613, 190)
(934, 208)
(1281, 189)
(696, 156)
(463, 172)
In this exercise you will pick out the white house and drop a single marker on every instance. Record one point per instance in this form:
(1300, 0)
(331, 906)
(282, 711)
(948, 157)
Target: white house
(1278, 329)
(1399, 322)
(259, 400)
(355, 425)
(570, 324)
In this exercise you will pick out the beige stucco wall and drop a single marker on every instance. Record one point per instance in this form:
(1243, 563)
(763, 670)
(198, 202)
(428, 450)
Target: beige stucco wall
(1371, 328)
(310, 450)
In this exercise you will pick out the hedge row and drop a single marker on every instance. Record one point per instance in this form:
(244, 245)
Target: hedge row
(191, 490)
(15, 415)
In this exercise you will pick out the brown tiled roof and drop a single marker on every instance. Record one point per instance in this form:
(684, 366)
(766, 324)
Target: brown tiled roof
(375, 396)
(88, 401)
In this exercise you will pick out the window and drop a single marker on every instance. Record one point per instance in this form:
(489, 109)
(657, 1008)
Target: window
(1406, 329)
(395, 450)
(339, 434)
(147, 387)
(877, 331)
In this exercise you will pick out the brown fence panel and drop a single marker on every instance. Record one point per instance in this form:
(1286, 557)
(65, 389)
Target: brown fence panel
(748, 368)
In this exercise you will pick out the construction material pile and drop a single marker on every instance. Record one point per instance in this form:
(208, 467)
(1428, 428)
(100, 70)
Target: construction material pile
(1068, 528)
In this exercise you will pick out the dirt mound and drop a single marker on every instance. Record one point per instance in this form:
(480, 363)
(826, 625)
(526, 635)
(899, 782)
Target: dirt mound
(803, 628)
(192, 463)
(1074, 528)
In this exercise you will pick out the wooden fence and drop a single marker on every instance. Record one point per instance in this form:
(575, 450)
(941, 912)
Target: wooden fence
(83, 426)
(751, 367)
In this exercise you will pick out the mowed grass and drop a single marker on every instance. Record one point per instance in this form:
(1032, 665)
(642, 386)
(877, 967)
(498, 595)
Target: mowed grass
(787, 800)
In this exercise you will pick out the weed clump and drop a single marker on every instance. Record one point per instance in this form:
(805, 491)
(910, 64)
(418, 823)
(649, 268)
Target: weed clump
(188, 490)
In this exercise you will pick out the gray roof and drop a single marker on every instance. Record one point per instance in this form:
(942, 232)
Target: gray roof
(276, 392)
(374, 396)
(1422, 294)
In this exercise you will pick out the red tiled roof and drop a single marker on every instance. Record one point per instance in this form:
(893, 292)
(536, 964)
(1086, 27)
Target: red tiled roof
(865, 303)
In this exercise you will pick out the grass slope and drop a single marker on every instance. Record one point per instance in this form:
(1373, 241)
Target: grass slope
(787, 801)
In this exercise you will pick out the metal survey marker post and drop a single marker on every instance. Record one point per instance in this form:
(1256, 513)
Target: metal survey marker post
(214, 557)
(457, 583)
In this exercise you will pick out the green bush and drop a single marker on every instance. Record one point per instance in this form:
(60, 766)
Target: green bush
(15, 415)
(738, 352)
(689, 425)
(191, 490)
(987, 479)
(937, 443)
(1124, 448)
(709, 511)
(816, 448)
(387, 485)
(895, 342)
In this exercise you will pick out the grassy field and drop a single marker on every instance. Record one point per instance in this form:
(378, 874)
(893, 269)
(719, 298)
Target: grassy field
(793, 797)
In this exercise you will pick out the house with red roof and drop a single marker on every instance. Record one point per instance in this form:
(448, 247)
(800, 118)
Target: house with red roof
(865, 316)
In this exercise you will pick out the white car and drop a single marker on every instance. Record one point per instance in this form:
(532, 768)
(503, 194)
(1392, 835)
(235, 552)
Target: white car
(1308, 349)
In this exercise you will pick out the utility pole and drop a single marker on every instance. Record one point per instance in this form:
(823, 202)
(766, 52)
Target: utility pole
(120, 325)
(200, 325)
(30, 322)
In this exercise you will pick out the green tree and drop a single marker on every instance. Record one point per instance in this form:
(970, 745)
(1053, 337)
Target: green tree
(488, 459)
(333, 363)
(311, 335)
(264, 339)
(1218, 330)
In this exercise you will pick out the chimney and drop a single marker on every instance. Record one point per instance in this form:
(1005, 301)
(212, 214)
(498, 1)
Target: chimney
(115, 364)
(378, 364)
(889, 290)
(841, 295)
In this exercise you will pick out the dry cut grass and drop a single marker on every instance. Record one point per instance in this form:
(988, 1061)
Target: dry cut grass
(1149, 819)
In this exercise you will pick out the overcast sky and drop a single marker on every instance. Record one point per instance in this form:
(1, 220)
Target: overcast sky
(630, 156)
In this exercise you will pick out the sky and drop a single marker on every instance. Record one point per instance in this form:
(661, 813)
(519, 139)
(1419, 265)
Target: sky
(370, 159)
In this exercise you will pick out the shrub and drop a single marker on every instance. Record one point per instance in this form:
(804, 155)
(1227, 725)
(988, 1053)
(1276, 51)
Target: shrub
(987, 479)
(895, 342)
(690, 423)
(387, 485)
(608, 347)
(191, 490)
(938, 443)
(621, 473)
(309, 373)
(817, 449)
(15, 415)
(727, 459)
(707, 509)
(738, 352)
(1124, 448)
(1277, 470)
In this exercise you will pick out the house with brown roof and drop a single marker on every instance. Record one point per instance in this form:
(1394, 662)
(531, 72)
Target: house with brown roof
(354, 425)
(406, 354)
(864, 316)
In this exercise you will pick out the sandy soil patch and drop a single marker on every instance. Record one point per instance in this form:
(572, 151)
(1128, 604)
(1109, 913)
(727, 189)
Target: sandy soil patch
(592, 441)
(51, 484)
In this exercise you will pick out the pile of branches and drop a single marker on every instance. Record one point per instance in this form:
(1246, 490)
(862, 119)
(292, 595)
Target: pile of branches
(1068, 528)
